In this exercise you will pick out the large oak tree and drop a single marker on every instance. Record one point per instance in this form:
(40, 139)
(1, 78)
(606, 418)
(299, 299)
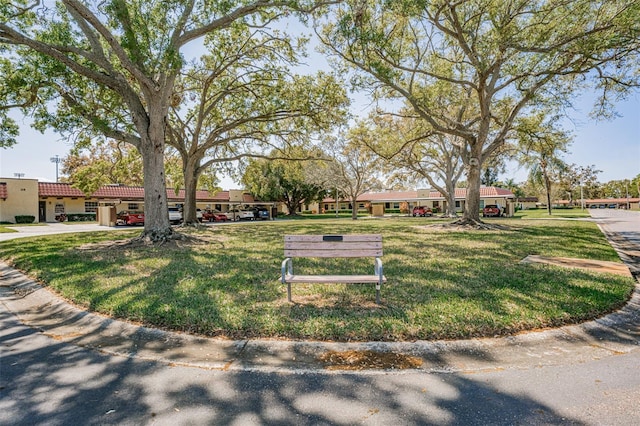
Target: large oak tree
(501, 55)
(121, 56)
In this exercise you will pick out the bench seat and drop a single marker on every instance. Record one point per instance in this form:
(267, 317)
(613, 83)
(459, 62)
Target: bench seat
(325, 279)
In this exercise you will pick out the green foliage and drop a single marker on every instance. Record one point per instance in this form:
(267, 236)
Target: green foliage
(283, 180)
(81, 217)
(501, 59)
(25, 219)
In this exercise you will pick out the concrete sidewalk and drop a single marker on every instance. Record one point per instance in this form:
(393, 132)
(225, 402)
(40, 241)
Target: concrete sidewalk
(36, 307)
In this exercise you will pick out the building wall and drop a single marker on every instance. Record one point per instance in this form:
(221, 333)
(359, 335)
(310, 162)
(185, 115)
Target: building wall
(54, 206)
(22, 199)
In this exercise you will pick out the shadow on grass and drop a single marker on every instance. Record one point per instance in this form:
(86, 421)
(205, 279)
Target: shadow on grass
(441, 285)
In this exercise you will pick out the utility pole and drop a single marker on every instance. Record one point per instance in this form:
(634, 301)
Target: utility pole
(626, 182)
(56, 160)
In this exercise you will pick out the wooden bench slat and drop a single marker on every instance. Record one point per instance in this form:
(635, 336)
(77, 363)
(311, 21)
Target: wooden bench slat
(333, 253)
(345, 238)
(328, 279)
(322, 245)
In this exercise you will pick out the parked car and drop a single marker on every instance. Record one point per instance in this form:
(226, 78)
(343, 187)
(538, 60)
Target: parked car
(130, 218)
(175, 215)
(422, 211)
(213, 215)
(260, 213)
(492, 210)
(239, 214)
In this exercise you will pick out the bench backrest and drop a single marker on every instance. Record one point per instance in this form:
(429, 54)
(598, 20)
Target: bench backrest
(353, 245)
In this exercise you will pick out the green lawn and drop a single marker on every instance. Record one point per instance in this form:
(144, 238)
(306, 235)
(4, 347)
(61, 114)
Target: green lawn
(555, 213)
(442, 284)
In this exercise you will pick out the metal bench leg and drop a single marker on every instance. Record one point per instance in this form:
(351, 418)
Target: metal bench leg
(289, 291)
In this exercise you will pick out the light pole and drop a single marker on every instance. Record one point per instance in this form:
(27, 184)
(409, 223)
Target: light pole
(56, 160)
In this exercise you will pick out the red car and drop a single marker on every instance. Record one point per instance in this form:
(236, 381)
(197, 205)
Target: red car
(130, 218)
(492, 210)
(213, 216)
(422, 211)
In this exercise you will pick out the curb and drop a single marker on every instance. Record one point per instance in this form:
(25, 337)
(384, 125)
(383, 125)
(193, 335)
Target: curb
(36, 307)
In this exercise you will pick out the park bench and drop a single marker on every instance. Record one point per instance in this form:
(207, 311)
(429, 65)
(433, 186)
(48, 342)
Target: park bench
(332, 246)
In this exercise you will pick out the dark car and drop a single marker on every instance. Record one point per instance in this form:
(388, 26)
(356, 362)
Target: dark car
(492, 210)
(260, 213)
(213, 216)
(422, 211)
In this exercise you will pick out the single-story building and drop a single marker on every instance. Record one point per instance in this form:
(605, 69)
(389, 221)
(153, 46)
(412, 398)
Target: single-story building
(48, 201)
(378, 203)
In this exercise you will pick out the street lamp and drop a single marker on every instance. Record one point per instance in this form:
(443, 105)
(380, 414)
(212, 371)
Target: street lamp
(56, 160)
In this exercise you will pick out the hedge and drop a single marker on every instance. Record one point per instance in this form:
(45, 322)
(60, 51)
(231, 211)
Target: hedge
(25, 219)
(81, 217)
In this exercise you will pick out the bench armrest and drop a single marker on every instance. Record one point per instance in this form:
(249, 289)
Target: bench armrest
(378, 269)
(287, 267)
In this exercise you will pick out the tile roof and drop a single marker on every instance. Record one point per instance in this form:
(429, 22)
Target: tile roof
(122, 192)
(50, 189)
(3, 190)
(485, 192)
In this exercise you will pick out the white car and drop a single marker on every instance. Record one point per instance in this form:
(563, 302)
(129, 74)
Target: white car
(175, 215)
(238, 214)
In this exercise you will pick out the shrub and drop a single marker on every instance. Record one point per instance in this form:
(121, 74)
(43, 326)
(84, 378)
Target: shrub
(25, 219)
(81, 217)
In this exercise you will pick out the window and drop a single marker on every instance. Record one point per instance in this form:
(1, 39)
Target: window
(132, 206)
(59, 209)
(90, 206)
(396, 205)
(458, 204)
(361, 206)
(482, 204)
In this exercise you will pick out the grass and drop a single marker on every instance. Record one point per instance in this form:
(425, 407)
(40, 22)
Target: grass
(555, 213)
(442, 284)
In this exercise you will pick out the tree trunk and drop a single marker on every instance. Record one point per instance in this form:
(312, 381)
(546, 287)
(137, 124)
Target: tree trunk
(354, 208)
(451, 200)
(547, 185)
(472, 200)
(156, 217)
(191, 174)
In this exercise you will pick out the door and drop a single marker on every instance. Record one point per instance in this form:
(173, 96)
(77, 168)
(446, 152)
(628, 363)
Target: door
(42, 207)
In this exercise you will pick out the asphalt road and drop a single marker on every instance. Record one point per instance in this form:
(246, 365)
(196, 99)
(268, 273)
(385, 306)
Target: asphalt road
(45, 380)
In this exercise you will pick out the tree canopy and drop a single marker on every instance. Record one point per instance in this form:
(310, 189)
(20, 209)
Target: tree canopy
(500, 57)
(110, 68)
